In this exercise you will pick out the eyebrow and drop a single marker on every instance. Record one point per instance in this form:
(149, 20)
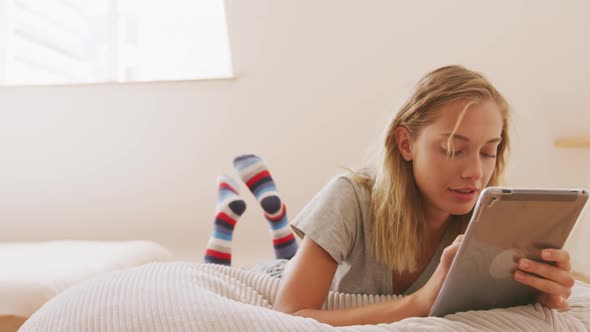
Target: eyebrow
(463, 138)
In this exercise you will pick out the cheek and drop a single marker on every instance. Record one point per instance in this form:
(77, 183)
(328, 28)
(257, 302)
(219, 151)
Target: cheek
(431, 169)
(489, 169)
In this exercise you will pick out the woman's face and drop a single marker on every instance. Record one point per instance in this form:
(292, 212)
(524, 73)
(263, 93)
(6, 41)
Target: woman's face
(451, 185)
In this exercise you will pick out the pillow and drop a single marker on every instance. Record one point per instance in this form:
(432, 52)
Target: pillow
(34, 272)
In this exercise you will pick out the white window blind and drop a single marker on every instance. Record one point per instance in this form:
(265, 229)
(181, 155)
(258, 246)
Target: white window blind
(69, 41)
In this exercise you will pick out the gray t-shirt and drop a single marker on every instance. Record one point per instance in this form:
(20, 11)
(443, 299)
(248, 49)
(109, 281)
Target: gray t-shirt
(337, 219)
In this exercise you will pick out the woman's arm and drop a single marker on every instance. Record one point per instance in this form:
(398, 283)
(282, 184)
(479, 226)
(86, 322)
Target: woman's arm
(306, 283)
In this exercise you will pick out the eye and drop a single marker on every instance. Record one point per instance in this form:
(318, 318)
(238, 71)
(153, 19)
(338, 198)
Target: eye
(488, 155)
(456, 153)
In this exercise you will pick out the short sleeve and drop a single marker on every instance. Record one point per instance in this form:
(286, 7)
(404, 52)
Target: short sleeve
(332, 218)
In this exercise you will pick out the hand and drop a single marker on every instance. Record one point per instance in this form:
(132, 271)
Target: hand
(426, 295)
(554, 281)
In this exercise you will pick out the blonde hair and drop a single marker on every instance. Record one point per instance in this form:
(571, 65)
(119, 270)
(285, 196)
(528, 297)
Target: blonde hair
(396, 202)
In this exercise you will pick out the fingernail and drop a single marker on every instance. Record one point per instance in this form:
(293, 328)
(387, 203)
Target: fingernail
(519, 276)
(546, 254)
(524, 264)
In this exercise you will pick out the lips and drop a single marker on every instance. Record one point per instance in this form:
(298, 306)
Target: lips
(464, 190)
(465, 194)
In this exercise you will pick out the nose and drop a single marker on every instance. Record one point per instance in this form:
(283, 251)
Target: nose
(472, 169)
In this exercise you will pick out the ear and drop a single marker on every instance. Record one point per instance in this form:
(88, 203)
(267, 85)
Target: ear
(404, 142)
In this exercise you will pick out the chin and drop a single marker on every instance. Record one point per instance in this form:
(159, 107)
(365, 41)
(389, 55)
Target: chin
(461, 210)
(460, 213)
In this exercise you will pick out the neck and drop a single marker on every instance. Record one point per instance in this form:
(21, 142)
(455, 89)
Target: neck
(436, 222)
(434, 230)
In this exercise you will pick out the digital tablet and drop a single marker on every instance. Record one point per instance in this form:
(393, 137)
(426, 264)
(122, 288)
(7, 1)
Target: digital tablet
(507, 224)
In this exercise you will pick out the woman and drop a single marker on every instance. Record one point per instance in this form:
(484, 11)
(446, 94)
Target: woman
(383, 229)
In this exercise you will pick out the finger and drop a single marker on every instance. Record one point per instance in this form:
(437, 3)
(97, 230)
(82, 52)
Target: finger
(460, 238)
(561, 303)
(548, 271)
(559, 256)
(548, 286)
(553, 301)
(456, 243)
(450, 252)
(546, 300)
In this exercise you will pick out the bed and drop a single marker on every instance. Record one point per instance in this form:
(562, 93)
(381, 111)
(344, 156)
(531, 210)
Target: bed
(183, 296)
(32, 273)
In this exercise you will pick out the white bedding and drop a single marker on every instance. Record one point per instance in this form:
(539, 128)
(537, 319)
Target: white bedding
(31, 273)
(201, 297)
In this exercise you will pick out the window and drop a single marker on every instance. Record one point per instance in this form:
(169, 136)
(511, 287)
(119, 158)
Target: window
(70, 41)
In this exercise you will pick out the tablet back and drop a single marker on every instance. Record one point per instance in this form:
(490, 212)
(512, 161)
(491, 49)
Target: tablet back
(507, 224)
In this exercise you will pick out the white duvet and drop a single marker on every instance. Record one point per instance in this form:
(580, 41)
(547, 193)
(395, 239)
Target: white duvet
(31, 273)
(201, 297)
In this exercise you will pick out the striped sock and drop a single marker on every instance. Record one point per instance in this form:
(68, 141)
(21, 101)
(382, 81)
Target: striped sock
(229, 208)
(256, 176)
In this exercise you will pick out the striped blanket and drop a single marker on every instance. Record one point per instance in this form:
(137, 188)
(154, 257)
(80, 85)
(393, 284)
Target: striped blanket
(184, 296)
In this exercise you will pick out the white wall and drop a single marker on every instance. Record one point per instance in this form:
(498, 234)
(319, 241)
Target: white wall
(317, 80)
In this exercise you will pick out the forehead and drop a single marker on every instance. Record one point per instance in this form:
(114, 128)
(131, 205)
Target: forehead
(481, 121)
